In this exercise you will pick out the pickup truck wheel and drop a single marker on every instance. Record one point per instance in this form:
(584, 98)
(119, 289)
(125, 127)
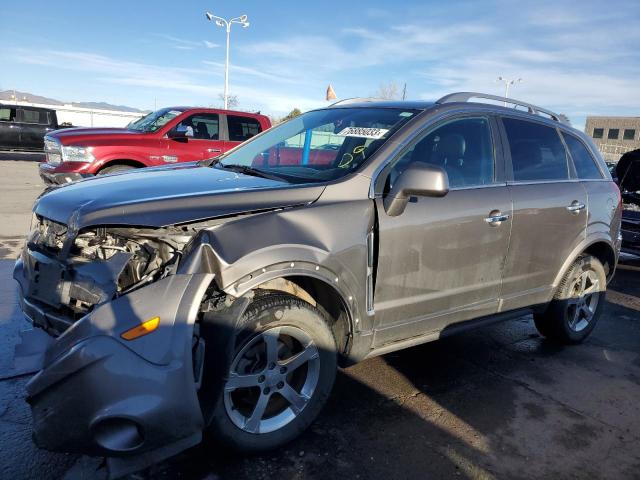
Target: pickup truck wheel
(115, 169)
(578, 303)
(281, 365)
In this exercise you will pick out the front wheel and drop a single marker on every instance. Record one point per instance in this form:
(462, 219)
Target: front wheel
(118, 168)
(280, 368)
(577, 305)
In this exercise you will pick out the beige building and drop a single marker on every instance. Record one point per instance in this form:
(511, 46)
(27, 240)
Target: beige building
(614, 136)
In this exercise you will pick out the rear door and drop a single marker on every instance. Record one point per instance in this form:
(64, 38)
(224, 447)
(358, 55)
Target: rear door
(441, 261)
(203, 138)
(34, 125)
(549, 211)
(240, 129)
(9, 131)
(602, 193)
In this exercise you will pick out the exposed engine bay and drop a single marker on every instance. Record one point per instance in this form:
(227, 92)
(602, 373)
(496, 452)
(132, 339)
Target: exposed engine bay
(72, 274)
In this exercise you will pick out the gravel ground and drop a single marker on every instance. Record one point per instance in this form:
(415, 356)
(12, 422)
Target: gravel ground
(498, 402)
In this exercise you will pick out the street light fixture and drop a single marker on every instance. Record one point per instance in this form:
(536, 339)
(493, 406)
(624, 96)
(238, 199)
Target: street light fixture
(507, 83)
(226, 24)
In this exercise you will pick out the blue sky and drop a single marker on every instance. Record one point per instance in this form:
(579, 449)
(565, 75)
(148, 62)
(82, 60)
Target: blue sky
(578, 57)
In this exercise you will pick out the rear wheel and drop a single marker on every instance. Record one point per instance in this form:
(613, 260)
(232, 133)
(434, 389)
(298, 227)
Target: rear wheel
(578, 303)
(280, 368)
(115, 169)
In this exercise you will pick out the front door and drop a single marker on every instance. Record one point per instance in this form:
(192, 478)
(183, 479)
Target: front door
(34, 125)
(441, 261)
(549, 212)
(202, 138)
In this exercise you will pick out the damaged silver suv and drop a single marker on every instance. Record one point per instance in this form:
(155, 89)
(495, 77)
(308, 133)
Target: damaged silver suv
(222, 296)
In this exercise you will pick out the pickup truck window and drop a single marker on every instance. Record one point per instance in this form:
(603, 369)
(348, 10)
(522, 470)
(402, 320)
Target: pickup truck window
(27, 115)
(7, 114)
(242, 128)
(202, 126)
(155, 120)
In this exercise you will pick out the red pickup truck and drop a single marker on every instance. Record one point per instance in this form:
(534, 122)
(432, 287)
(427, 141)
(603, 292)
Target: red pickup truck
(169, 135)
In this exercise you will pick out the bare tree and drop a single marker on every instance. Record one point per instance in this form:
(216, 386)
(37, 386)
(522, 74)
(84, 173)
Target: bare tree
(388, 91)
(232, 101)
(292, 114)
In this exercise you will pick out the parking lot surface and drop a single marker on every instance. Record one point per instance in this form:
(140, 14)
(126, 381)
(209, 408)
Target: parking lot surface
(497, 402)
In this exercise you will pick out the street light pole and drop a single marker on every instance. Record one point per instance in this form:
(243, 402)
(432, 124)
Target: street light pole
(507, 84)
(226, 24)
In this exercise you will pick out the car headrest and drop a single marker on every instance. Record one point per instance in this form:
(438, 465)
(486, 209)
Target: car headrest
(451, 149)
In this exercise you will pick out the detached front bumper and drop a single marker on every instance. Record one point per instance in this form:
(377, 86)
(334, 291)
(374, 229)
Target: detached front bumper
(99, 394)
(62, 173)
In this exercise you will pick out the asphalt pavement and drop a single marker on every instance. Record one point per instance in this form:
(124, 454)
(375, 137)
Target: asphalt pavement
(497, 402)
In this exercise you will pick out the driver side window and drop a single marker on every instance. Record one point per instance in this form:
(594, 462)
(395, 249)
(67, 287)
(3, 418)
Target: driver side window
(203, 126)
(462, 147)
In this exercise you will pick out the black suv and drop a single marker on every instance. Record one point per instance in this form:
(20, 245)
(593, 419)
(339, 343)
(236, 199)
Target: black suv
(22, 128)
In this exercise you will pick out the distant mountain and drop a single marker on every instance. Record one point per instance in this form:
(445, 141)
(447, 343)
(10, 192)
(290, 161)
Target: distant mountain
(8, 95)
(106, 106)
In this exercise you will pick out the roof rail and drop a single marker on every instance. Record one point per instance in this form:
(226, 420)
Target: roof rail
(466, 96)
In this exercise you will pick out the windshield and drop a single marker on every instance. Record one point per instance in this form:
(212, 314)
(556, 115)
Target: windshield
(318, 146)
(155, 120)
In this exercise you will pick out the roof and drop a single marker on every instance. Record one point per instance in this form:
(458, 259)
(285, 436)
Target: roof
(183, 108)
(373, 103)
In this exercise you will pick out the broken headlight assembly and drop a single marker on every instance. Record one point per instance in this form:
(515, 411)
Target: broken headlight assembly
(73, 274)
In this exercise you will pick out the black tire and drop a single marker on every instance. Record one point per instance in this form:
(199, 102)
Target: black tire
(568, 319)
(266, 313)
(118, 168)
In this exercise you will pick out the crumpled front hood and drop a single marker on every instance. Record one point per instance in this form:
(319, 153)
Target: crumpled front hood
(158, 197)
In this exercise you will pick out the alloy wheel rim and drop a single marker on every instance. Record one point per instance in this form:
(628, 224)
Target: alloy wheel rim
(583, 302)
(272, 379)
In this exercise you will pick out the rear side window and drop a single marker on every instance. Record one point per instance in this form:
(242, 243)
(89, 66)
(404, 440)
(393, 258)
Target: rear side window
(582, 159)
(537, 152)
(7, 114)
(34, 116)
(242, 128)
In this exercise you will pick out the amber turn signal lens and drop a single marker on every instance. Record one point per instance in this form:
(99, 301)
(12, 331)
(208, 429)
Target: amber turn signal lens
(141, 330)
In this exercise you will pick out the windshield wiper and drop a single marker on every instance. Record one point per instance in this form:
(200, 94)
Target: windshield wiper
(247, 170)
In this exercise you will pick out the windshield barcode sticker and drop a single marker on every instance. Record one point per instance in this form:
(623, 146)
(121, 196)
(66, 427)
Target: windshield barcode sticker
(363, 132)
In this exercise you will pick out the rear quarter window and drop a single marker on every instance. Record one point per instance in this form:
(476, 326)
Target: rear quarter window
(584, 162)
(242, 128)
(537, 152)
(34, 116)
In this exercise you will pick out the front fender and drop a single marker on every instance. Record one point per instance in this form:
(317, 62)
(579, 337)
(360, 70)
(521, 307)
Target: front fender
(327, 242)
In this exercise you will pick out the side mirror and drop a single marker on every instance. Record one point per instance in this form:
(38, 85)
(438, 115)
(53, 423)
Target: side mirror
(179, 133)
(419, 179)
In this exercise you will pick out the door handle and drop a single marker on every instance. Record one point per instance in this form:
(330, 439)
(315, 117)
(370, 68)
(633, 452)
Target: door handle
(495, 219)
(576, 207)
(214, 150)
